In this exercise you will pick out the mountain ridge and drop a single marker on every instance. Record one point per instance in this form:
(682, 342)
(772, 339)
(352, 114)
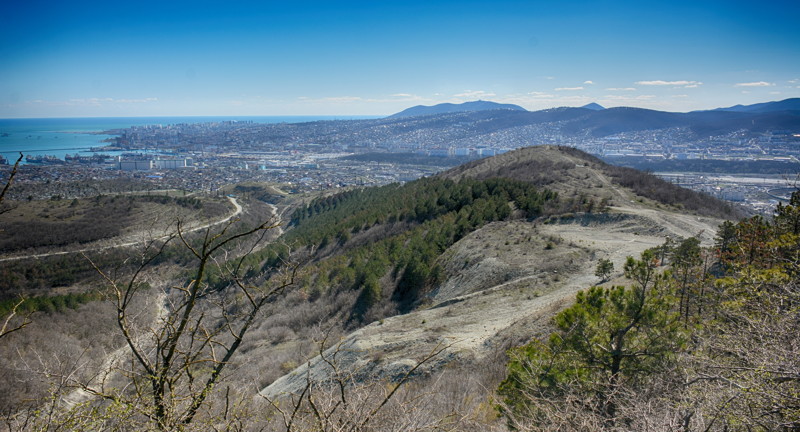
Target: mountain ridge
(444, 108)
(585, 121)
(791, 104)
(500, 279)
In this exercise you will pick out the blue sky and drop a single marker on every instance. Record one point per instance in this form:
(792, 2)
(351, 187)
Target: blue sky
(146, 58)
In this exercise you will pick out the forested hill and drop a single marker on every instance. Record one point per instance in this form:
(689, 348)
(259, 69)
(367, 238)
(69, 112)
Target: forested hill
(385, 243)
(406, 280)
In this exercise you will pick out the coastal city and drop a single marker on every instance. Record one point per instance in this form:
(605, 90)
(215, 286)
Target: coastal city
(343, 153)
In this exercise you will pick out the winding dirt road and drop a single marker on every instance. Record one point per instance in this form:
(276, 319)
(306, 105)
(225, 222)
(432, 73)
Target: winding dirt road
(237, 211)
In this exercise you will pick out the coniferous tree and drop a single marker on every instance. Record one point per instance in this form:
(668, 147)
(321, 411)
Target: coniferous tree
(604, 269)
(608, 342)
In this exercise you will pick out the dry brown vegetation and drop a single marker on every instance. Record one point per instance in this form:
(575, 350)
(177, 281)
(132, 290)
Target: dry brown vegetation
(573, 172)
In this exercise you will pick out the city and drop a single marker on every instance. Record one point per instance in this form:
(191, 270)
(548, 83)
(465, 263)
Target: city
(342, 153)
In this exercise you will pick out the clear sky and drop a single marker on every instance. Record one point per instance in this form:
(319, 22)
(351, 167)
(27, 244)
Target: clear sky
(151, 58)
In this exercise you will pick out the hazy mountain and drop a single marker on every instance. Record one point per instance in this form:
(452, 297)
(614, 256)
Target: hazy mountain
(421, 110)
(792, 104)
(469, 123)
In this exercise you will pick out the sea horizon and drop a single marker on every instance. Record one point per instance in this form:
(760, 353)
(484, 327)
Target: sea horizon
(247, 117)
(59, 136)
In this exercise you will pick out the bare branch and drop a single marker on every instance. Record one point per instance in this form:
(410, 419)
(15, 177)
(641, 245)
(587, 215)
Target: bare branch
(9, 328)
(10, 178)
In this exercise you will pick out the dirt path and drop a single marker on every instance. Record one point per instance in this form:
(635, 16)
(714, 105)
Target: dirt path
(278, 216)
(472, 325)
(237, 211)
(112, 362)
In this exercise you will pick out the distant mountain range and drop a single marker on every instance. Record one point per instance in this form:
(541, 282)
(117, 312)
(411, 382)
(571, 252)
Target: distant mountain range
(792, 104)
(597, 121)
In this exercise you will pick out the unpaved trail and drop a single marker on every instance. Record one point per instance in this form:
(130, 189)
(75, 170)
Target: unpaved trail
(192, 228)
(506, 280)
(471, 325)
(278, 217)
(111, 364)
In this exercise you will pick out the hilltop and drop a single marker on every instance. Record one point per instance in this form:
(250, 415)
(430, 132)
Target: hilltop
(594, 106)
(571, 171)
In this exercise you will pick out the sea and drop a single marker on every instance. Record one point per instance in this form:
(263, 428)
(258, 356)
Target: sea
(62, 136)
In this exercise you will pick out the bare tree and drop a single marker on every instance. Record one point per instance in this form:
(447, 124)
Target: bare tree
(10, 325)
(352, 400)
(10, 180)
(175, 363)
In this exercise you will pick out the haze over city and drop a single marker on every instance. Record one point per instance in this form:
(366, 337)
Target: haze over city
(106, 59)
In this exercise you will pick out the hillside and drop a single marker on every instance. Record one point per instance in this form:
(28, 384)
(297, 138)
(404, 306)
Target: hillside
(49, 261)
(453, 268)
(471, 123)
(493, 125)
(502, 279)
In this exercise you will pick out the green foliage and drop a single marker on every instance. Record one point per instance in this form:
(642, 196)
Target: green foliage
(749, 343)
(398, 230)
(419, 201)
(748, 245)
(53, 303)
(610, 338)
(687, 253)
(686, 259)
(726, 234)
(369, 296)
(604, 268)
(619, 352)
(412, 283)
(787, 217)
